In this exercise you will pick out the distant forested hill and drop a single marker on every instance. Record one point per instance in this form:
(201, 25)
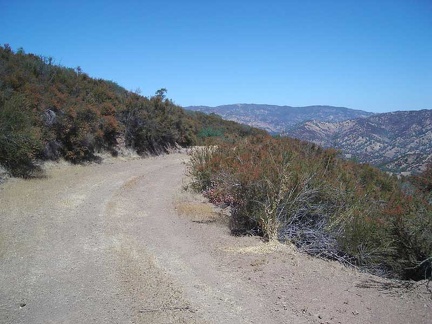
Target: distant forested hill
(279, 119)
(48, 111)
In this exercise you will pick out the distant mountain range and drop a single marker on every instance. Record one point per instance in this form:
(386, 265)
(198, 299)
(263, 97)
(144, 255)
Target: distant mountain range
(399, 142)
(279, 119)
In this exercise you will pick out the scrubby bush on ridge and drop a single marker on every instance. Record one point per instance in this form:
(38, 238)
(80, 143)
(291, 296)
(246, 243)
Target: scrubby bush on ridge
(290, 190)
(71, 115)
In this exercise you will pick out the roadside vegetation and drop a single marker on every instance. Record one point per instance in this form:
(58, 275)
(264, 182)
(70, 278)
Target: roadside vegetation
(279, 188)
(288, 190)
(49, 112)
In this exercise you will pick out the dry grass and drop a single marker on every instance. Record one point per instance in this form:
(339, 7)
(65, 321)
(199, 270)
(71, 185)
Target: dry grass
(197, 209)
(130, 183)
(197, 212)
(263, 248)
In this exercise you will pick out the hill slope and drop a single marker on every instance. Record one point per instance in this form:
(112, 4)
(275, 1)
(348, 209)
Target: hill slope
(48, 111)
(278, 119)
(397, 141)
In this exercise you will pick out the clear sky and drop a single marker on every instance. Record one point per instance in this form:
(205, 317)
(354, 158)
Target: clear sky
(370, 55)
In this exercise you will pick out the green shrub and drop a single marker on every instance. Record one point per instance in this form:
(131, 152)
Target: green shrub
(19, 138)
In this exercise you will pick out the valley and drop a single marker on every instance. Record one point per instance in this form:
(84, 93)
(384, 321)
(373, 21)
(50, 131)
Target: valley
(398, 142)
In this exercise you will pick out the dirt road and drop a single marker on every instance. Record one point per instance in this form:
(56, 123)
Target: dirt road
(104, 244)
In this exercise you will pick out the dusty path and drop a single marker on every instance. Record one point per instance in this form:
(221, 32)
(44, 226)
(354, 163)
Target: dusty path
(104, 244)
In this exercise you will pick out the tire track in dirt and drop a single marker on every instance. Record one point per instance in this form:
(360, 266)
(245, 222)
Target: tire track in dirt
(63, 258)
(104, 244)
(150, 292)
(190, 279)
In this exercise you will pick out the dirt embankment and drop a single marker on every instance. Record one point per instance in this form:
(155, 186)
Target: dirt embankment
(120, 242)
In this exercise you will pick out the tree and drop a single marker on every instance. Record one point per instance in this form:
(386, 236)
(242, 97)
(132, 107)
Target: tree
(161, 93)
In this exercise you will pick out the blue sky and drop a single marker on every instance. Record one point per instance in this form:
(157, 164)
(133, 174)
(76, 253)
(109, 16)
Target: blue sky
(370, 55)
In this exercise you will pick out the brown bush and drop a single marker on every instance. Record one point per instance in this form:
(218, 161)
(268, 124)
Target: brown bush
(290, 190)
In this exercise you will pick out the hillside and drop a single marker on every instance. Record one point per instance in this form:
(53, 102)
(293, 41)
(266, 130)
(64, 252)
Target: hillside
(278, 119)
(397, 141)
(119, 241)
(48, 112)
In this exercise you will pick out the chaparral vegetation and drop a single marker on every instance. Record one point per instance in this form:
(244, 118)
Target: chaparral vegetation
(279, 188)
(48, 111)
(295, 191)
